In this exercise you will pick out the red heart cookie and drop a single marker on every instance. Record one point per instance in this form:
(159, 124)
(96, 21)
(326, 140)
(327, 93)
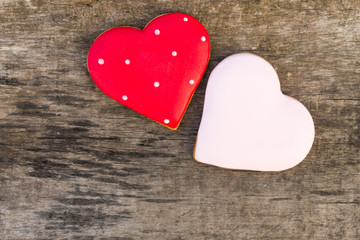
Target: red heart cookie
(154, 71)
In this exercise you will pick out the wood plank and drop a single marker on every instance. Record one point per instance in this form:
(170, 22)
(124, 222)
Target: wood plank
(75, 164)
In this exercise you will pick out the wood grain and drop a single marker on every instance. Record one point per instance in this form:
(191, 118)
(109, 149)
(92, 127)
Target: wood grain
(75, 164)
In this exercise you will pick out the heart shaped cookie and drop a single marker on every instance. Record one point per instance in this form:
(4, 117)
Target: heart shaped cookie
(248, 123)
(154, 71)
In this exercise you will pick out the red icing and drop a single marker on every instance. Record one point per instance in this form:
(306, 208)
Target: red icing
(152, 64)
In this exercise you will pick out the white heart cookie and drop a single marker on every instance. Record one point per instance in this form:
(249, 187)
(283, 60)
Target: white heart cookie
(247, 122)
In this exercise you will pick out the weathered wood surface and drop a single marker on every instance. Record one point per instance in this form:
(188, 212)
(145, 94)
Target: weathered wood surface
(77, 165)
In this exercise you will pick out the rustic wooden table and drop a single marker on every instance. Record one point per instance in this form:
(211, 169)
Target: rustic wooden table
(75, 164)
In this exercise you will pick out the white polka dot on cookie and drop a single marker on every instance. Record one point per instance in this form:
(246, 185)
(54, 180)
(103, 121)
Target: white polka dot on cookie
(101, 61)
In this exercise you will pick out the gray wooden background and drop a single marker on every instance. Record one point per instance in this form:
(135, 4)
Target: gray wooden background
(75, 164)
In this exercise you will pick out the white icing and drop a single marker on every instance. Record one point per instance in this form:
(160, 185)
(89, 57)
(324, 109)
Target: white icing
(156, 84)
(203, 38)
(185, 19)
(101, 61)
(124, 97)
(127, 61)
(191, 82)
(248, 123)
(166, 121)
(174, 53)
(157, 32)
